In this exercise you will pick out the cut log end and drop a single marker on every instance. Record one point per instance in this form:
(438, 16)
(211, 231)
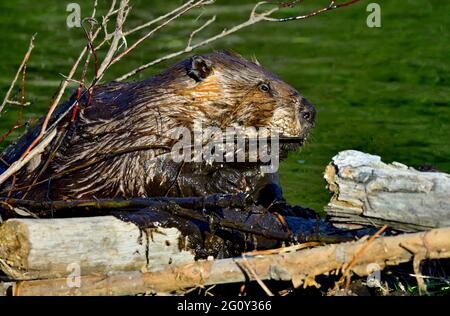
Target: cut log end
(14, 247)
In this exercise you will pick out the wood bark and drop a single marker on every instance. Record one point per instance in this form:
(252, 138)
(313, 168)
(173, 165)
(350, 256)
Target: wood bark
(300, 266)
(367, 191)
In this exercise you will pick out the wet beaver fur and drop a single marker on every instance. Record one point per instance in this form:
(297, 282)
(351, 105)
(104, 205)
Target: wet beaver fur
(109, 145)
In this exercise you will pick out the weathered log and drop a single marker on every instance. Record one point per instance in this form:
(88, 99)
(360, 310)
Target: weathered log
(300, 266)
(38, 248)
(52, 248)
(367, 191)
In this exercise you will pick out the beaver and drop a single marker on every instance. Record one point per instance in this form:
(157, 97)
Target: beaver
(117, 145)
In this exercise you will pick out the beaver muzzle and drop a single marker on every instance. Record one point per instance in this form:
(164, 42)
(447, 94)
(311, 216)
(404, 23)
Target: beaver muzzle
(307, 116)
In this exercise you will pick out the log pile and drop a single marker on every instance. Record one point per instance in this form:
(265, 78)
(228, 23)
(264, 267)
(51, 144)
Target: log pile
(289, 263)
(167, 245)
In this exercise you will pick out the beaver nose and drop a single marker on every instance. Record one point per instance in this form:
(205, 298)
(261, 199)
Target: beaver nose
(307, 111)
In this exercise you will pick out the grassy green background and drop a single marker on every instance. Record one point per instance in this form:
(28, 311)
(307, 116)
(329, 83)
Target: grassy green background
(383, 90)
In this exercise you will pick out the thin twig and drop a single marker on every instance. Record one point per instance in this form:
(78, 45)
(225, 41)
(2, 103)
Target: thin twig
(21, 162)
(346, 270)
(22, 65)
(331, 6)
(61, 91)
(116, 38)
(16, 166)
(52, 107)
(70, 79)
(200, 29)
(153, 31)
(17, 103)
(292, 248)
(253, 19)
(256, 277)
(94, 10)
(160, 18)
(421, 285)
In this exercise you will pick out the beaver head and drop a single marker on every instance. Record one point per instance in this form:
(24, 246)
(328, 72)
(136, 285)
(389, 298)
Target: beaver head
(226, 90)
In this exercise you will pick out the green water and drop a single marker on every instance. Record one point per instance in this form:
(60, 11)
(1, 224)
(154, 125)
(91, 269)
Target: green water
(383, 90)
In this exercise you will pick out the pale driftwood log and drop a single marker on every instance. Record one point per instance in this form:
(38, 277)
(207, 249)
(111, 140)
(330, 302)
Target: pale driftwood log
(53, 248)
(367, 191)
(299, 266)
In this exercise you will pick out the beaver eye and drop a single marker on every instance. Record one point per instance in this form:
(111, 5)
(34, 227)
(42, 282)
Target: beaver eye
(264, 87)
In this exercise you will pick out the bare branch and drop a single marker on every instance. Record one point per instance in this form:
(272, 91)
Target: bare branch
(116, 38)
(22, 65)
(199, 30)
(53, 105)
(255, 276)
(70, 79)
(331, 6)
(94, 10)
(63, 86)
(153, 31)
(17, 103)
(253, 19)
(16, 166)
(160, 18)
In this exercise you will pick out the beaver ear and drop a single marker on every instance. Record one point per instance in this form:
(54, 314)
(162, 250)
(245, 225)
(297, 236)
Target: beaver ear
(199, 68)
